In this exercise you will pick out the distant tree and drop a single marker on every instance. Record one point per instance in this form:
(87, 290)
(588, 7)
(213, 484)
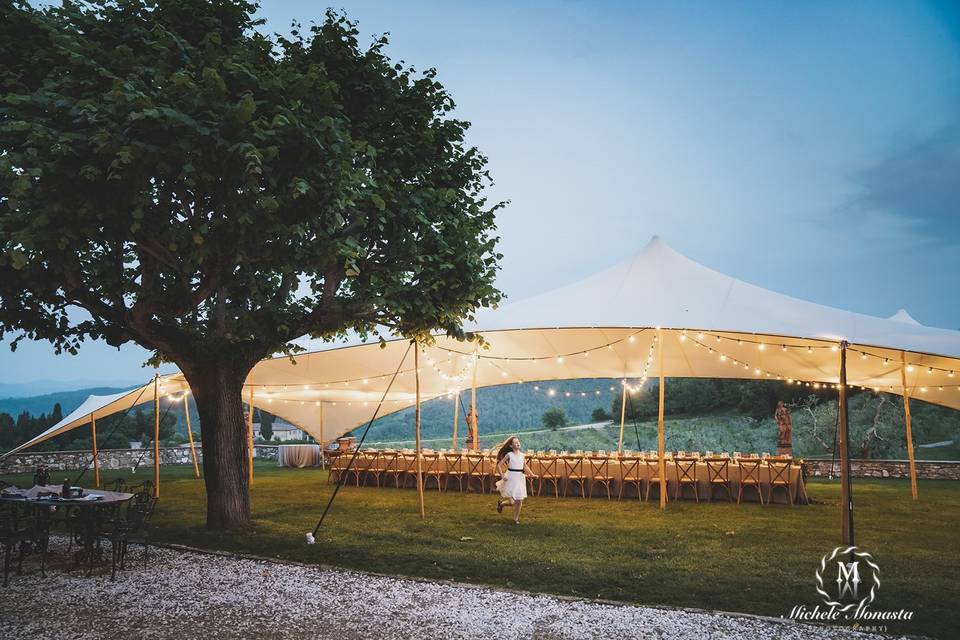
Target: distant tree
(266, 426)
(554, 418)
(213, 193)
(599, 415)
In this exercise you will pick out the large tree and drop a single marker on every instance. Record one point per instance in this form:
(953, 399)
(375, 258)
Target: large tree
(172, 177)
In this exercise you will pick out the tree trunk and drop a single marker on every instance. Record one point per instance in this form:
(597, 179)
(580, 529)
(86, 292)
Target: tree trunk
(217, 389)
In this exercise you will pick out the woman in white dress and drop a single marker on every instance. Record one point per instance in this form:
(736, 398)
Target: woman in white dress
(513, 480)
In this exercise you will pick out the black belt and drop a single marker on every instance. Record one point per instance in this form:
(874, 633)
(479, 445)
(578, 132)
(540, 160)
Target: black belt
(517, 470)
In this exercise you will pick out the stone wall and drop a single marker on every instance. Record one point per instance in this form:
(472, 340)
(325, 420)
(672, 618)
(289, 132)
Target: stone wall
(27, 462)
(933, 469)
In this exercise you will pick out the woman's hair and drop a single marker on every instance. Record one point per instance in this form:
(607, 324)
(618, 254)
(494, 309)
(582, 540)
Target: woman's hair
(506, 448)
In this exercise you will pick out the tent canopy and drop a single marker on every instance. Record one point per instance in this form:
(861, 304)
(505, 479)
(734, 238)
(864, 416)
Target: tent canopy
(710, 325)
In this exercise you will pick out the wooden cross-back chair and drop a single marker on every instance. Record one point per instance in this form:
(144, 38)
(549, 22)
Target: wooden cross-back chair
(476, 471)
(630, 475)
(573, 473)
(434, 468)
(549, 474)
(652, 468)
(384, 466)
(337, 467)
(780, 479)
(750, 477)
(360, 466)
(686, 470)
(600, 473)
(718, 475)
(455, 469)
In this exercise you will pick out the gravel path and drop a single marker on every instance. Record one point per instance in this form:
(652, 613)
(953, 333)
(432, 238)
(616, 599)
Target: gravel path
(185, 595)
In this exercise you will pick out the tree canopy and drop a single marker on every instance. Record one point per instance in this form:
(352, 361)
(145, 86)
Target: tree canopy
(197, 187)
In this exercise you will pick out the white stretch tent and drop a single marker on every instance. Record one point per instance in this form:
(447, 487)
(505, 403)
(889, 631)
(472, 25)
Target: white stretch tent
(712, 326)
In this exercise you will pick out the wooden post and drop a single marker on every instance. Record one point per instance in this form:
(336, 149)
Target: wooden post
(456, 410)
(416, 368)
(193, 449)
(250, 441)
(843, 438)
(623, 414)
(473, 430)
(906, 415)
(156, 435)
(323, 462)
(661, 464)
(96, 458)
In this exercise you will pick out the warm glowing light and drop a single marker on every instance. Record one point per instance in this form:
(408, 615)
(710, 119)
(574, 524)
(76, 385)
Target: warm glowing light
(683, 337)
(631, 339)
(699, 336)
(833, 348)
(551, 392)
(910, 368)
(809, 349)
(560, 360)
(761, 346)
(722, 357)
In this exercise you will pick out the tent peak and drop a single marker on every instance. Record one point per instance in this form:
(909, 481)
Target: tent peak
(903, 316)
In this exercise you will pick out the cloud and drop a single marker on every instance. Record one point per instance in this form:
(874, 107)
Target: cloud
(917, 183)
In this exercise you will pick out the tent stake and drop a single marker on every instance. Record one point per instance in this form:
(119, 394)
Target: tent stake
(193, 449)
(416, 368)
(250, 441)
(96, 459)
(846, 496)
(661, 465)
(623, 414)
(906, 415)
(156, 435)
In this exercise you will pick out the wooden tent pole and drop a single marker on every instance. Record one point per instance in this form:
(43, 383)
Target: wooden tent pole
(156, 435)
(623, 414)
(661, 464)
(843, 437)
(906, 415)
(193, 448)
(473, 429)
(250, 440)
(323, 463)
(96, 459)
(416, 368)
(456, 409)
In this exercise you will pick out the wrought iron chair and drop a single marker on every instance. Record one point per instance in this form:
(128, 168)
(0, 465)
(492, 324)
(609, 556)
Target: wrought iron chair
(119, 485)
(133, 526)
(630, 475)
(718, 475)
(780, 479)
(600, 474)
(24, 529)
(750, 477)
(573, 472)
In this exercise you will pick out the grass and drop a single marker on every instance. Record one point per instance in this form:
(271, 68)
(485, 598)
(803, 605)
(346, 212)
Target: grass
(745, 558)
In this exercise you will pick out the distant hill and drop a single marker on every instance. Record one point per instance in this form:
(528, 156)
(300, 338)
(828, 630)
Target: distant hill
(45, 387)
(69, 400)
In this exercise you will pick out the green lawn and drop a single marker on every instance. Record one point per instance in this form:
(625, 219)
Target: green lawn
(746, 558)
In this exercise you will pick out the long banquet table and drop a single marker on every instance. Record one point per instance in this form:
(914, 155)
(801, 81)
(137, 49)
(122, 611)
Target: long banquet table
(391, 468)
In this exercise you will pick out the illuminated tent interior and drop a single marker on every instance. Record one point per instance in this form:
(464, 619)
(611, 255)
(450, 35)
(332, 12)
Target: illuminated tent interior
(610, 325)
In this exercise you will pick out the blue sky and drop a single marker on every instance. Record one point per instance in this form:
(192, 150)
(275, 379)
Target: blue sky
(810, 148)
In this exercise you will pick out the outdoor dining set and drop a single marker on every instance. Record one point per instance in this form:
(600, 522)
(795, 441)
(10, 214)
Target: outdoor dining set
(90, 519)
(586, 473)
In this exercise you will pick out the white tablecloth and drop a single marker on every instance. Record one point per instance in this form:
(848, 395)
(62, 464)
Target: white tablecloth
(298, 455)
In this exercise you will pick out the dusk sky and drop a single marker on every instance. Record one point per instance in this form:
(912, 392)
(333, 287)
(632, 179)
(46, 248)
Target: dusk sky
(810, 148)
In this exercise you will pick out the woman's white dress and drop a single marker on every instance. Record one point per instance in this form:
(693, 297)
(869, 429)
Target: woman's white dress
(514, 483)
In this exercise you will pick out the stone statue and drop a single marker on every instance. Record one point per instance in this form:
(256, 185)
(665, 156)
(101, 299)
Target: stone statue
(473, 436)
(784, 430)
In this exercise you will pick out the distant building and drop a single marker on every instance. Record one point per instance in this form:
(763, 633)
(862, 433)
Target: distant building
(282, 431)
